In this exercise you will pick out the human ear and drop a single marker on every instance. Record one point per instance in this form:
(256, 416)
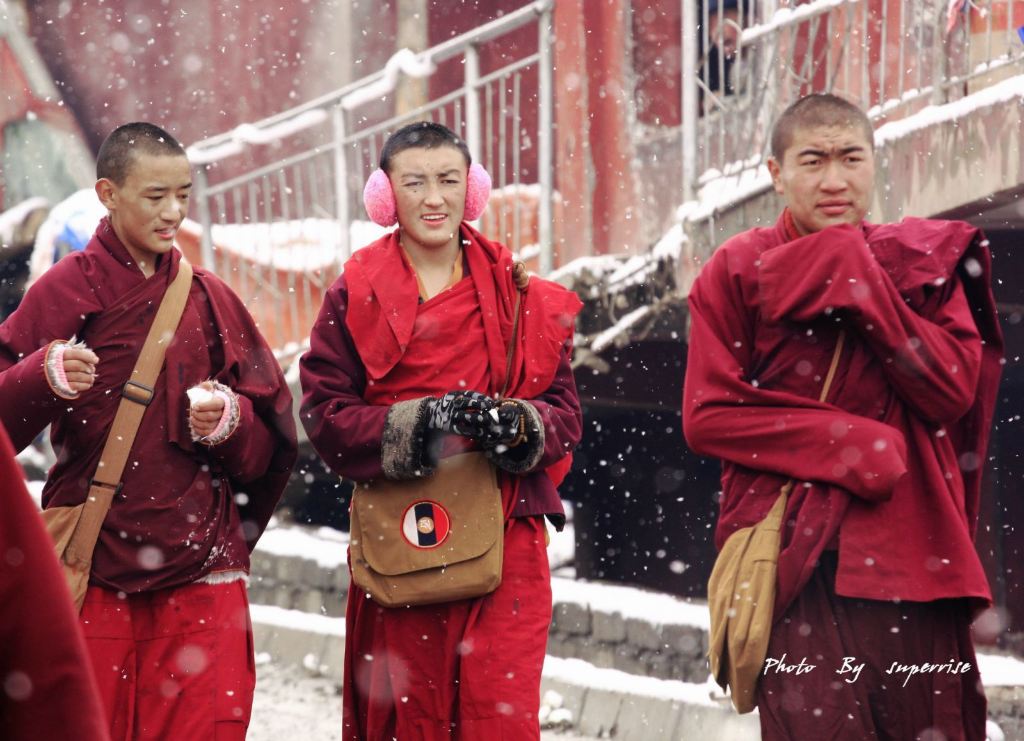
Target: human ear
(106, 191)
(775, 169)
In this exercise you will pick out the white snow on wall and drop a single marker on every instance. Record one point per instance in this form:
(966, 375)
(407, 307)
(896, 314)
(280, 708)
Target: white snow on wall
(621, 328)
(630, 602)
(1000, 671)
(326, 546)
(307, 622)
(298, 245)
(583, 674)
(594, 264)
(1007, 91)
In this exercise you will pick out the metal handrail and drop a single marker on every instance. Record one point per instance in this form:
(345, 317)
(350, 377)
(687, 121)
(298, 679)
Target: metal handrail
(310, 191)
(838, 46)
(439, 53)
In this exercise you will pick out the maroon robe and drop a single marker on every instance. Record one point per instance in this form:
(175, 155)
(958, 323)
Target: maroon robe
(346, 428)
(49, 691)
(877, 559)
(892, 461)
(186, 509)
(470, 668)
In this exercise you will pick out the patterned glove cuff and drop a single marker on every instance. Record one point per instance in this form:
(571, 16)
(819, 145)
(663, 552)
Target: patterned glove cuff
(229, 418)
(56, 376)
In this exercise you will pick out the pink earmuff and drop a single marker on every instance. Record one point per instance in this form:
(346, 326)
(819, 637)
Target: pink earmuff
(379, 198)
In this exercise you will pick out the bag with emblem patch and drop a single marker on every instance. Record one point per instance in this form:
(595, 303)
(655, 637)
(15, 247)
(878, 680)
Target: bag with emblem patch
(436, 539)
(429, 540)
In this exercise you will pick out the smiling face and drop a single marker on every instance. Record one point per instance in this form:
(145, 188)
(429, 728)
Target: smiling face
(149, 206)
(430, 193)
(826, 175)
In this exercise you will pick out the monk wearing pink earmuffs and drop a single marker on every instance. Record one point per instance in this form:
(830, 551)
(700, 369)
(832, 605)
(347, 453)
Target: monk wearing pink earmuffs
(415, 342)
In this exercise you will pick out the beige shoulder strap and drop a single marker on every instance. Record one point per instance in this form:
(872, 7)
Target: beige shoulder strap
(822, 397)
(832, 368)
(135, 398)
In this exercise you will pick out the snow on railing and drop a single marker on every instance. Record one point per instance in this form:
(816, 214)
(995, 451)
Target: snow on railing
(893, 57)
(280, 230)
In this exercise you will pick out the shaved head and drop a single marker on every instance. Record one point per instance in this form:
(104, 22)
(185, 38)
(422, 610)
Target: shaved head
(814, 111)
(125, 142)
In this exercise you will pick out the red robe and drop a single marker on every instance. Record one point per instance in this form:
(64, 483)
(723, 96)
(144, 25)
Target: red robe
(182, 514)
(49, 689)
(891, 463)
(412, 673)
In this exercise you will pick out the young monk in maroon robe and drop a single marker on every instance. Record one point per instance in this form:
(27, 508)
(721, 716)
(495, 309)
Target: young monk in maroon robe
(878, 568)
(405, 358)
(166, 614)
(48, 688)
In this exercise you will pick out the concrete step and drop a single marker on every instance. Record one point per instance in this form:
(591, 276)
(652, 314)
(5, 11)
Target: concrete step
(626, 662)
(596, 701)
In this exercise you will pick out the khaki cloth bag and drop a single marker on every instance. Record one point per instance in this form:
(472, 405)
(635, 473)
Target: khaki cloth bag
(433, 540)
(436, 539)
(741, 593)
(76, 529)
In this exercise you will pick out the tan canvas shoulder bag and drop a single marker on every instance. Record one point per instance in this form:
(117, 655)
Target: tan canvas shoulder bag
(76, 529)
(741, 593)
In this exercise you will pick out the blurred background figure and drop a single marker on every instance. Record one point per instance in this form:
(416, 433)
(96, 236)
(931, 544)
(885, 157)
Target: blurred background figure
(47, 687)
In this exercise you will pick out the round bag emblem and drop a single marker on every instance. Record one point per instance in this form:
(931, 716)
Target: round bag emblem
(425, 524)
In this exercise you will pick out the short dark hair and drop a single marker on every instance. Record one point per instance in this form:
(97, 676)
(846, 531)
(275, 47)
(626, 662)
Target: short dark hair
(115, 156)
(421, 135)
(819, 109)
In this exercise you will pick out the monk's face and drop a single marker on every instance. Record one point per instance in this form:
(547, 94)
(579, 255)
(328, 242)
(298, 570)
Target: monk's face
(430, 191)
(826, 175)
(149, 206)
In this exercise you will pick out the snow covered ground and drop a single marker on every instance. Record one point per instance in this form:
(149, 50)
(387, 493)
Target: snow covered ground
(287, 700)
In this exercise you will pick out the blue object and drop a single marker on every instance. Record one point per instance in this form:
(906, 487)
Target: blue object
(69, 240)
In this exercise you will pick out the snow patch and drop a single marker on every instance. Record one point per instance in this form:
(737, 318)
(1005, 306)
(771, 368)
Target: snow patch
(630, 602)
(583, 674)
(620, 328)
(308, 622)
(35, 490)
(247, 134)
(596, 265)
(301, 245)
(999, 94)
(326, 546)
(1000, 671)
(789, 17)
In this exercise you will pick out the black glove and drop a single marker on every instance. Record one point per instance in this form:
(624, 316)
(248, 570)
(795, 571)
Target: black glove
(461, 412)
(506, 425)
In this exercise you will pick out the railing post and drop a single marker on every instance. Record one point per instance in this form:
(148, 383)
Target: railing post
(688, 105)
(545, 153)
(471, 78)
(206, 237)
(940, 68)
(341, 185)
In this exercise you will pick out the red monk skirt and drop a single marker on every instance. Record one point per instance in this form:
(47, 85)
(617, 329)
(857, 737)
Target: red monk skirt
(882, 670)
(173, 663)
(466, 670)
